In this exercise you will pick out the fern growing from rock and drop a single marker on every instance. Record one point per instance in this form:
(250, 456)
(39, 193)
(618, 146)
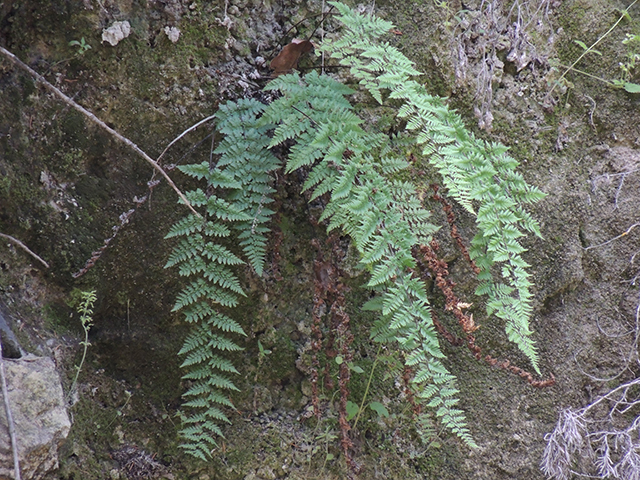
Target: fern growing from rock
(359, 169)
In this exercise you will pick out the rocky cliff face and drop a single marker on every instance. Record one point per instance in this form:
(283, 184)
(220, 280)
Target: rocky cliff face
(65, 184)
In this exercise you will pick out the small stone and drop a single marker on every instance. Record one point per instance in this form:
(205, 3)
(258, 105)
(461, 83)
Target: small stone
(267, 473)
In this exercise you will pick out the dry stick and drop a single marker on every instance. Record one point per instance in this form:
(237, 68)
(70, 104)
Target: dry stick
(623, 234)
(24, 247)
(193, 127)
(97, 121)
(11, 425)
(124, 218)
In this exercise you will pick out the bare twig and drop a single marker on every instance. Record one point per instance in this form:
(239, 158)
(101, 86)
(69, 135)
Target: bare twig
(152, 183)
(24, 247)
(124, 219)
(598, 438)
(591, 112)
(97, 121)
(606, 177)
(603, 444)
(11, 425)
(623, 234)
(628, 359)
(192, 127)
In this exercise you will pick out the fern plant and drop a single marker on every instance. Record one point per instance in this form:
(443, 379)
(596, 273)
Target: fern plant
(359, 169)
(242, 178)
(383, 217)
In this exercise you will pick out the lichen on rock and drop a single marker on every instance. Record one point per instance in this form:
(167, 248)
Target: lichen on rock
(116, 32)
(39, 414)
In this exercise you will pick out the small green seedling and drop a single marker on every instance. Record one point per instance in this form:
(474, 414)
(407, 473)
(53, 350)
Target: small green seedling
(82, 45)
(85, 309)
(262, 352)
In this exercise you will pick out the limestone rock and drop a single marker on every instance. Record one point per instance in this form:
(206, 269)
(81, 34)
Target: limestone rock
(116, 32)
(173, 33)
(40, 417)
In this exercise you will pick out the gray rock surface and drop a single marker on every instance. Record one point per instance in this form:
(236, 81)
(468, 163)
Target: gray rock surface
(40, 417)
(10, 346)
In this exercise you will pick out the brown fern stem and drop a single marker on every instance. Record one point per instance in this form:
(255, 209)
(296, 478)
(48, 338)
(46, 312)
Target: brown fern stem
(319, 297)
(345, 338)
(329, 290)
(451, 219)
(427, 259)
(407, 376)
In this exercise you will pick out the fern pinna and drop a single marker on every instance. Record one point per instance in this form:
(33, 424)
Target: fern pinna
(360, 170)
(242, 177)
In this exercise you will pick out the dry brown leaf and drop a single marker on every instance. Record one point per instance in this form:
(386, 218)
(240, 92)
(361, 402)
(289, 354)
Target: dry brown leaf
(288, 58)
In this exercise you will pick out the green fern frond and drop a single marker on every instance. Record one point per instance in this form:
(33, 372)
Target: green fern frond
(220, 254)
(225, 323)
(187, 248)
(200, 289)
(239, 190)
(186, 226)
(475, 173)
(370, 208)
(222, 276)
(204, 370)
(245, 158)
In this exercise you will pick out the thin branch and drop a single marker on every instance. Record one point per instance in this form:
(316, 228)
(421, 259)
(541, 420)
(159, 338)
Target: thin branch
(590, 435)
(193, 127)
(623, 234)
(97, 121)
(24, 247)
(11, 425)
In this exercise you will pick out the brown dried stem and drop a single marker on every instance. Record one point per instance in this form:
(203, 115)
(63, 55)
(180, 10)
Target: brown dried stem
(451, 219)
(316, 343)
(329, 290)
(345, 339)
(427, 259)
(407, 376)
(124, 219)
